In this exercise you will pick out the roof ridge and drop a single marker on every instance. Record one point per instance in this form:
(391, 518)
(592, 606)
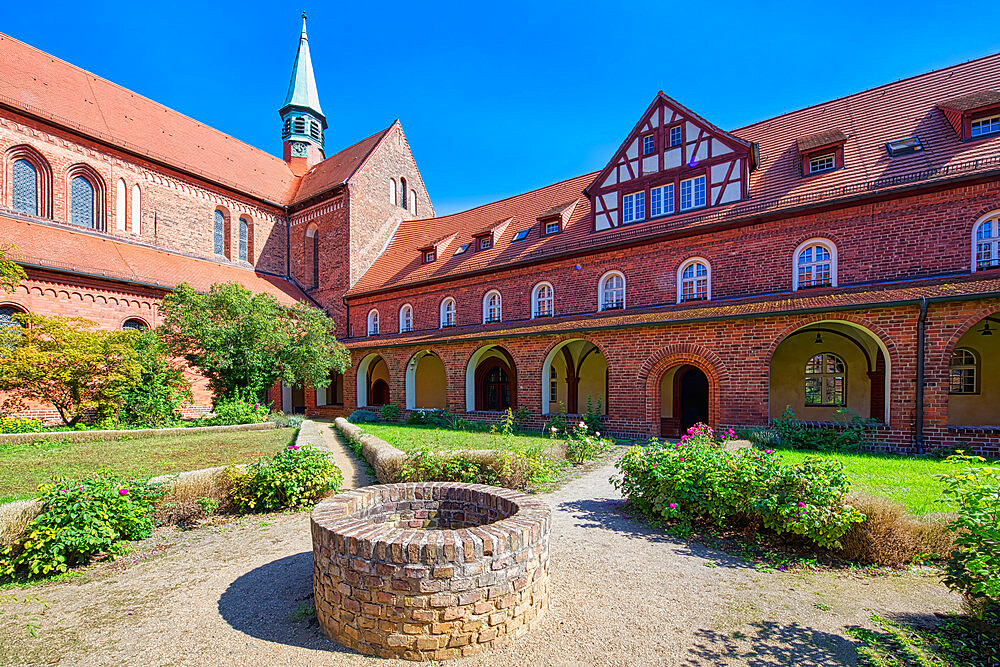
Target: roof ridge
(866, 90)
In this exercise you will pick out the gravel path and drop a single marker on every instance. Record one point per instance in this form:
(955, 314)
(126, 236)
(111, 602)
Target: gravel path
(356, 470)
(622, 594)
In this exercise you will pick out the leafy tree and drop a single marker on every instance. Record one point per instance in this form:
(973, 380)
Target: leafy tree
(67, 363)
(154, 400)
(11, 273)
(245, 342)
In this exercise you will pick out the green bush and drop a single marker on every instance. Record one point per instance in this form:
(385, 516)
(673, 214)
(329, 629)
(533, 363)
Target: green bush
(974, 567)
(593, 416)
(850, 434)
(437, 418)
(555, 427)
(281, 420)
(364, 417)
(698, 480)
(390, 412)
(155, 399)
(237, 410)
(80, 518)
(293, 478)
(20, 425)
(583, 446)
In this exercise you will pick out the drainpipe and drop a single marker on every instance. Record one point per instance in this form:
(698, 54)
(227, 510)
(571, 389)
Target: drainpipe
(921, 344)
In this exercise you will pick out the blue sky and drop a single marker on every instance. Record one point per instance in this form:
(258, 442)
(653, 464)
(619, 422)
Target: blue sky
(501, 98)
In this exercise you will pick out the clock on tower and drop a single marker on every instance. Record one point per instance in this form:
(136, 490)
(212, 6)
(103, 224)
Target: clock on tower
(299, 149)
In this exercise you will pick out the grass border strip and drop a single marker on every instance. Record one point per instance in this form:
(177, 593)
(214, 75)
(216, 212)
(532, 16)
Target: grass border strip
(85, 436)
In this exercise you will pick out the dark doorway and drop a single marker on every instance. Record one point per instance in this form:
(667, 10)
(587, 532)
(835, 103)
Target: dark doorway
(298, 399)
(379, 393)
(690, 397)
(493, 385)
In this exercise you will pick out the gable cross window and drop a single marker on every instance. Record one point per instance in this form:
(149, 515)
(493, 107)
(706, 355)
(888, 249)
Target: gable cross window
(648, 144)
(694, 282)
(612, 292)
(692, 193)
(815, 266)
(634, 207)
(661, 200)
(675, 136)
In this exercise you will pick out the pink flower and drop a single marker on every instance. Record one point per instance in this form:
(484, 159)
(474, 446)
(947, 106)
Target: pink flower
(122, 492)
(801, 504)
(768, 451)
(295, 447)
(680, 458)
(673, 506)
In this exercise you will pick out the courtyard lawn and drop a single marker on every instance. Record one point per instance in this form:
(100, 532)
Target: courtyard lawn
(24, 466)
(905, 479)
(413, 438)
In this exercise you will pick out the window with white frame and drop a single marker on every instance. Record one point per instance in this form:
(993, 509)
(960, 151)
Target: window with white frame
(372, 322)
(675, 136)
(826, 380)
(963, 372)
(661, 200)
(984, 126)
(406, 318)
(542, 300)
(986, 243)
(824, 162)
(648, 144)
(694, 282)
(634, 207)
(491, 307)
(448, 312)
(815, 265)
(611, 291)
(429, 256)
(553, 386)
(485, 242)
(552, 226)
(692, 193)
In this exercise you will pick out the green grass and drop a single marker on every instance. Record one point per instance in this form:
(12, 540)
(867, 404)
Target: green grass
(905, 479)
(413, 438)
(24, 466)
(956, 642)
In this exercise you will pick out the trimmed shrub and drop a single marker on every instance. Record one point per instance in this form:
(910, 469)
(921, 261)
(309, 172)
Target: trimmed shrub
(512, 470)
(890, 535)
(293, 478)
(80, 518)
(390, 412)
(699, 480)
(364, 417)
(237, 410)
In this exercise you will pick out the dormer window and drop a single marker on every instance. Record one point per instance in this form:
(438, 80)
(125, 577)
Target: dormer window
(462, 248)
(984, 126)
(429, 256)
(822, 152)
(485, 242)
(648, 144)
(904, 146)
(820, 163)
(675, 136)
(521, 235)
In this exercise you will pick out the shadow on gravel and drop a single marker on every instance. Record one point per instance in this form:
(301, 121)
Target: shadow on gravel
(607, 514)
(273, 602)
(768, 644)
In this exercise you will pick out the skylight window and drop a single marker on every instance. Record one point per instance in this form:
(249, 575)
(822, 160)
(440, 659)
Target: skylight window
(521, 235)
(462, 248)
(904, 146)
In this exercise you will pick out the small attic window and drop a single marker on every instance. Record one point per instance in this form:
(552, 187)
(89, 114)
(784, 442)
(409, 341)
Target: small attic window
(462, 248)
(552, 226)
(521, 235)
(648, 144)
(429, 256)
(904, 146)
(983, 126)
(485, 242)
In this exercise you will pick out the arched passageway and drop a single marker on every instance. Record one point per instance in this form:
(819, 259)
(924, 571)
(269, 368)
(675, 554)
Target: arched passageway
(574, 373)
(826, 367)
(974, 375)
(491, 380)
(373, 382)
(426, 382)
(684, 399)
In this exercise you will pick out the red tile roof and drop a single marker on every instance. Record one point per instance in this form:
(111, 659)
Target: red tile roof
(61, 249)
(868, 120)
(338, 168)
(820, 139)
(825, 300)
(983, 98)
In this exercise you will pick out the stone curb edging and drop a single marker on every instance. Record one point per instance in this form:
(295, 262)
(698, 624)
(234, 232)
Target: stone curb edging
(84, 436)
(430, 570)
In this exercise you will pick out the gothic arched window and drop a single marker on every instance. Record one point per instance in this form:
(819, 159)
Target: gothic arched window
(81, 202)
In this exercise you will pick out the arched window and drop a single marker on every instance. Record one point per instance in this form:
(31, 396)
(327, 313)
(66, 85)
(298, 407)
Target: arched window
(611, 291)
(244, 239)
(7, 314)
(826, 380)
(120, 208)
(542, 300)
(312, 253)
(406, 318)
(24, 179)
(136, 210)
(492, 310)
(402, 192)
(81, 202)
(219, 233)
(694, 281)
(413, 202)
(986, 243)
(448, 312)
(815, 265)
(963, 371)
(134, 323)
(373, 322)
(392, 192)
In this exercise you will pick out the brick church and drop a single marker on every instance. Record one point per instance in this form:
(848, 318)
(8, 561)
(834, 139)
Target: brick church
(842, 256)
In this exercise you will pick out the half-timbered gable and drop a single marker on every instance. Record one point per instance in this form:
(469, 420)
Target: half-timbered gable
(673, 161)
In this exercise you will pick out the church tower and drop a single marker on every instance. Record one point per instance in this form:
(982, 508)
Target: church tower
(302, 119)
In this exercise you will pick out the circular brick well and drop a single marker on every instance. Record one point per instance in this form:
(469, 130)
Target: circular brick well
(429, 570)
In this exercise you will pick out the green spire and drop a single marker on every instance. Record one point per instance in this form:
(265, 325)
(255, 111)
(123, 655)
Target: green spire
(302, 93)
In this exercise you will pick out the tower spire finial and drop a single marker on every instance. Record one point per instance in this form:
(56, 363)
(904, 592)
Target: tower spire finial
(302, 116)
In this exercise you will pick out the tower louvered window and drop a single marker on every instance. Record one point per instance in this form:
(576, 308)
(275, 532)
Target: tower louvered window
(25, 180)
(81, 202)
(220, 233)
(314, 129)
(244, 239)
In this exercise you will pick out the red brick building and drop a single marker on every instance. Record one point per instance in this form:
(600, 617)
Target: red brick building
(846, 255)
